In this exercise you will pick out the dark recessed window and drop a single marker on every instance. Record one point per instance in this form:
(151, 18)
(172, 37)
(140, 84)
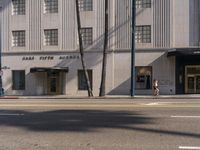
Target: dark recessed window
(87, 36)
(18, 7)
(143, 34)
(50, 6)
(18, 79)
(82, 84)
(85, 5)
(18, 38)
(143, 3)
(51, 37)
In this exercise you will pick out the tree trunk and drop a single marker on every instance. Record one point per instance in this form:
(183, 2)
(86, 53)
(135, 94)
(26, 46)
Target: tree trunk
(81, 51)
(104, 63)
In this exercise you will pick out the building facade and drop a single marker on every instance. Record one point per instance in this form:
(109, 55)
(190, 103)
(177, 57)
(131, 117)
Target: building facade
(40, 48)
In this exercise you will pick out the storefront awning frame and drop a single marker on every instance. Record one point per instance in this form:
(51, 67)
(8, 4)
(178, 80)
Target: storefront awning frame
(184, 52)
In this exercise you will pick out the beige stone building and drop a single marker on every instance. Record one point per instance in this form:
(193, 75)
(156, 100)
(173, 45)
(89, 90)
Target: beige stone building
(40, 54)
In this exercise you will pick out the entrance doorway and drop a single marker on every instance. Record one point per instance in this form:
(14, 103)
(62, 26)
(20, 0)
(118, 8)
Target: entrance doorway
(192, 79)
(53, 83)
(53, 79)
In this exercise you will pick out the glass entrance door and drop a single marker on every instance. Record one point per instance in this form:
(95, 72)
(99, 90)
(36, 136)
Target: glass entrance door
(53, 83)
(53, 86)
(198, 84)
(191, 85)
(192, 79)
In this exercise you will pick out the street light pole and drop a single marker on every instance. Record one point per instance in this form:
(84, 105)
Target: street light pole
(133, 49)
(1, 73)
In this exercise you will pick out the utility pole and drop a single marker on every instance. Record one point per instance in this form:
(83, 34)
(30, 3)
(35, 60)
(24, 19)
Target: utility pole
(133, 49)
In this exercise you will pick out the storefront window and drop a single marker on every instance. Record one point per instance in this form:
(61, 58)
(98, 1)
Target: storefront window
(143, 77)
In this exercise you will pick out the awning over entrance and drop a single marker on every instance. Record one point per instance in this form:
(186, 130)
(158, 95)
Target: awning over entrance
(184, 52)
(49, 69)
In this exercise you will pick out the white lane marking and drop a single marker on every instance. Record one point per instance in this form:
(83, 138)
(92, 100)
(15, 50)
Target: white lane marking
(151, 104)
(11, 114)
(185, 116)
(189, 148)
(159, 103)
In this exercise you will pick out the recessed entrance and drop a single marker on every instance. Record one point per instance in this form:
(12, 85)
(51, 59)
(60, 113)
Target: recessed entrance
(52, 79)
(192, 79)
(53, 83)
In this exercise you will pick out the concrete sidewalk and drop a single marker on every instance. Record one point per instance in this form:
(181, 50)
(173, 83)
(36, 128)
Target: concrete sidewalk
(185, 96)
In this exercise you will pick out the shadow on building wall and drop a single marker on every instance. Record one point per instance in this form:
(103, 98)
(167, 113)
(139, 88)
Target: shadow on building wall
(93, 57)
(163, 69)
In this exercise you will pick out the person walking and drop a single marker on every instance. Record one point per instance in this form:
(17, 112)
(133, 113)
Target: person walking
(155, 88)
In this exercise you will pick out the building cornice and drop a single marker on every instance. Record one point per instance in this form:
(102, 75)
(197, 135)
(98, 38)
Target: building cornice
(138, 50)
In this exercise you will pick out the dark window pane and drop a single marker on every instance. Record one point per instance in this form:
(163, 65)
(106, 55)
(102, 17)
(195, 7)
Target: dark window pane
(50, 6)
(87, 36)
(143, 3)
(18, 38)
(82, 84)
(18, 7)
(143, 34)
(51, 37)
(85, 5)
(18, 78)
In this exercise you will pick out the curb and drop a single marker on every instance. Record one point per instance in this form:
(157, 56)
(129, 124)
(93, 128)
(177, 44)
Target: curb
(9, 97)
(99, 98)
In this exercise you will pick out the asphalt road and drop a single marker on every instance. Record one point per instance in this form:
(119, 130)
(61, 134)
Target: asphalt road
(99, 124)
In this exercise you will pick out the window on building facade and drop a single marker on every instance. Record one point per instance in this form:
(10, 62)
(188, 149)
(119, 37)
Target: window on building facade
(143, 3)
(18, 79)
(82, 84)
(50, 6)
(85, 5)
(51, 37)
(18, 7)
(87, 36)
(143, 34)
(18, 38)
(143, 77)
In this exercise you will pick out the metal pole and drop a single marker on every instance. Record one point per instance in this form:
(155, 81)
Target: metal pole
(1, 92)
(133, 49)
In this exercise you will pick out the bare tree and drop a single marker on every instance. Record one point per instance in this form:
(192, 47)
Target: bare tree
(105, 51)
(81, 51)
